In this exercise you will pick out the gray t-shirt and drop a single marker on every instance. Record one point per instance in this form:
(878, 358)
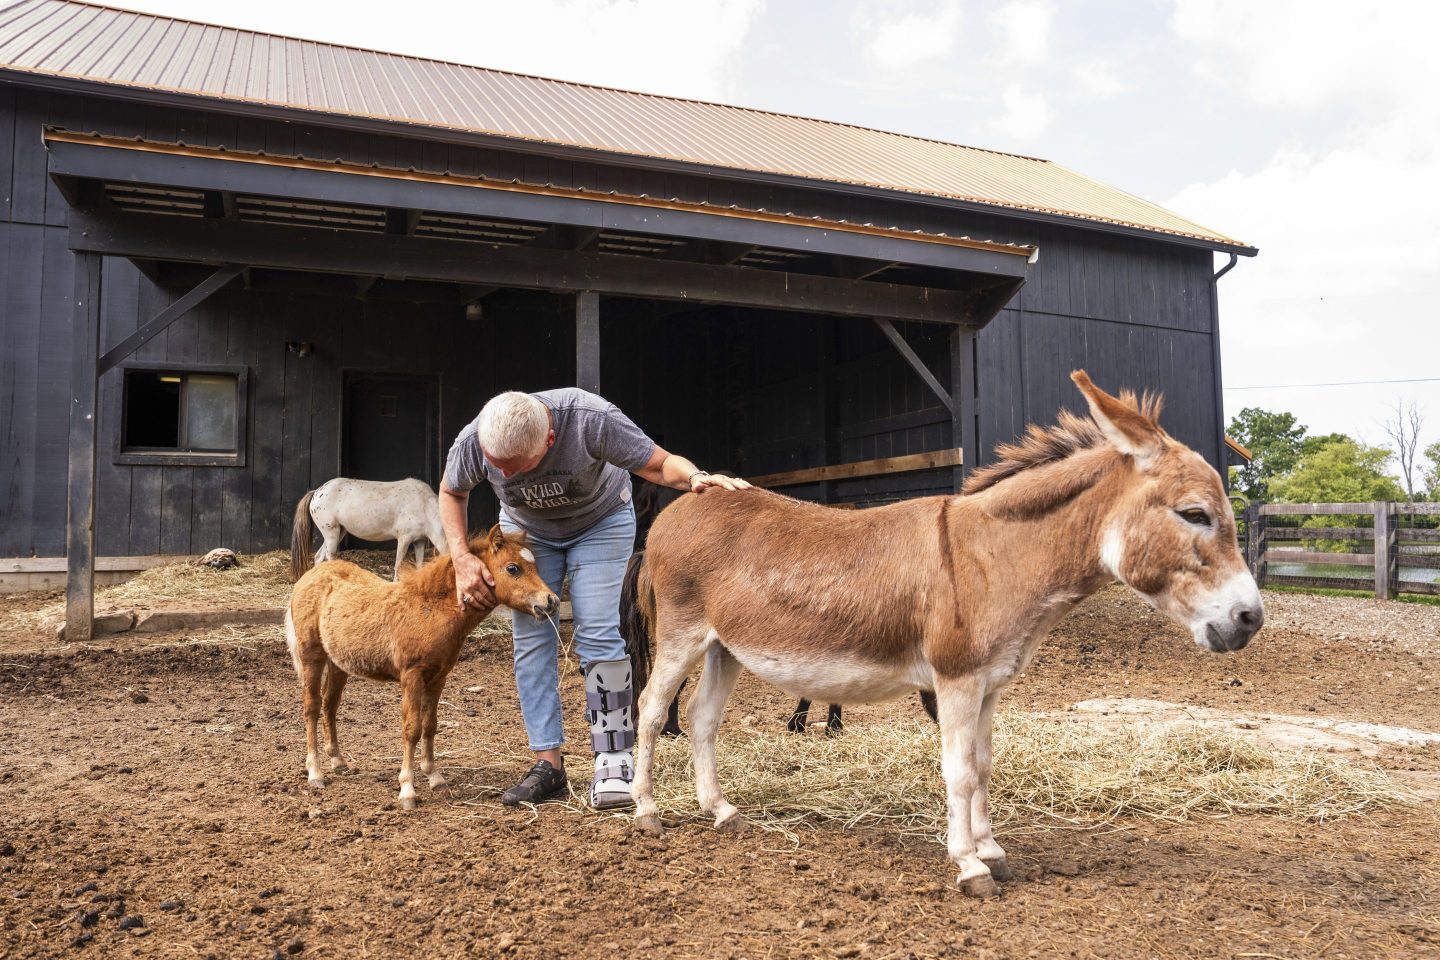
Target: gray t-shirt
(581, 479)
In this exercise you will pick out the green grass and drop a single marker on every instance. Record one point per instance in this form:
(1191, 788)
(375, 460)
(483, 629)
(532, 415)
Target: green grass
(1426, 599)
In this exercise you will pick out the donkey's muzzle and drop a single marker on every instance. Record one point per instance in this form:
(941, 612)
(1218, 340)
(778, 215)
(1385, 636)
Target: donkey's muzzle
(1244, 622)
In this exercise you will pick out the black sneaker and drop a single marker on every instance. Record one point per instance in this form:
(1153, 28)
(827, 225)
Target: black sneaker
(543, 782)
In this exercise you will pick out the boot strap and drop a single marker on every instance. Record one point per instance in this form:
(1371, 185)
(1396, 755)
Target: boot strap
(609, 741)
(602, 701)
(613, 773)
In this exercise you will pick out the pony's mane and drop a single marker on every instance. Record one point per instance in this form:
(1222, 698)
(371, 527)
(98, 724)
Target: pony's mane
(430, 578)
(1042, 445)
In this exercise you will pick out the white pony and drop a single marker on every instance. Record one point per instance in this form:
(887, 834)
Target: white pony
(406, 511)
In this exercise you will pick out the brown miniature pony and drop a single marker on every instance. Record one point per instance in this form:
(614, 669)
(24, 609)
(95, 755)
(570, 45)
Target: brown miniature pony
(343, 620)
(946, 593)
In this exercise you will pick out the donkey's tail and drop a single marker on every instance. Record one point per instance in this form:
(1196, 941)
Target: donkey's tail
(300, 535)
(637, 618)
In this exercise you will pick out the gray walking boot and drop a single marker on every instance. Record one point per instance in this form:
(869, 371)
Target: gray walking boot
(609, 700)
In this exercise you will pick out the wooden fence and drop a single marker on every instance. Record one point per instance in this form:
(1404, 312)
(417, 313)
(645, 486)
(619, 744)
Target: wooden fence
(1274, 536)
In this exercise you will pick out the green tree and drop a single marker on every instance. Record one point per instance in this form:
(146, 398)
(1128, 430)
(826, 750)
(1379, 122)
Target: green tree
(1432, 472)
(1340, 472)
(1311, 445)
(1274, 440)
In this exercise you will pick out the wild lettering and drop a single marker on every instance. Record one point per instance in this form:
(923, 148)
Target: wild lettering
(542, 496)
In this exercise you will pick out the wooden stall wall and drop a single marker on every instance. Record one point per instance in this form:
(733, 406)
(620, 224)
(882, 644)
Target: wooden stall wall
(737, 389)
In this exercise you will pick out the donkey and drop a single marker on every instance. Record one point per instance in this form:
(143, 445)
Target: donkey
(343, 620)
(947, 593)
(406, 511)
(650, 499)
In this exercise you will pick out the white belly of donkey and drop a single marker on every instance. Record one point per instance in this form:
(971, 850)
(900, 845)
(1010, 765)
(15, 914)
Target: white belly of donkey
(837, 679)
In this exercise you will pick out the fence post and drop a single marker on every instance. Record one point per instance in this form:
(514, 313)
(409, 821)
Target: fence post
(1387, 552)
(1255, 541)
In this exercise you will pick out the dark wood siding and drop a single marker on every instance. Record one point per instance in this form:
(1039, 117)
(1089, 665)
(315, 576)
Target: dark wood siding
(743, 390)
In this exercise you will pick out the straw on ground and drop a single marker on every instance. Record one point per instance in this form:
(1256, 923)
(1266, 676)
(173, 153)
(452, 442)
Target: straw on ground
(1047, 769)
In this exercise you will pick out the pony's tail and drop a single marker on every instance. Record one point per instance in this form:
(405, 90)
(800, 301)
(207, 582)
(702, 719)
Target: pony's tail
(637, 617)
(300, 536)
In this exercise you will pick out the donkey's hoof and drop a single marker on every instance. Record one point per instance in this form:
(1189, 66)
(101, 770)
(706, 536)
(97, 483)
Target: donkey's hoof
(1000, 870)
(731, 823)
(649, 824)
(982, 887)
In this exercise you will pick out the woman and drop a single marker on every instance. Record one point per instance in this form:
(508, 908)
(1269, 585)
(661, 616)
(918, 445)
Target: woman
(557, 460)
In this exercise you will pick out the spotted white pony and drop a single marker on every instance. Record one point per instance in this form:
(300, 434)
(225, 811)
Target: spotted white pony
(405, 511)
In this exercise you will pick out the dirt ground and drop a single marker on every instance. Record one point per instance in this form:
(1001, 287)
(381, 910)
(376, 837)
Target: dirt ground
(162, 777)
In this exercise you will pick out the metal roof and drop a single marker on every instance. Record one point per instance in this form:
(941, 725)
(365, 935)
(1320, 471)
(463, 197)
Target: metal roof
(92, 43)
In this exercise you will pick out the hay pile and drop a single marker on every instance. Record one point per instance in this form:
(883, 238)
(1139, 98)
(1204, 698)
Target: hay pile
(1047, 769)
(261, 580)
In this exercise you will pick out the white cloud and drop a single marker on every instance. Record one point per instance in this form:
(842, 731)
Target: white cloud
(1097, 80)
(1315, 53)
(633, 44)
(895, 42)
(1024, 28)
(1026, 116)
(1349, 234)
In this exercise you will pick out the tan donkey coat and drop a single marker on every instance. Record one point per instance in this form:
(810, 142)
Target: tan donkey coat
(950, 593)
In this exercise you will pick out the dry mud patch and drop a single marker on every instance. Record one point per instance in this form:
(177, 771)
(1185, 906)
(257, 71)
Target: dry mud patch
(164, 779)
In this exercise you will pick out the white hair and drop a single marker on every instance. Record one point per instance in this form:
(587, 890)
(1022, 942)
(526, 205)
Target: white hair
(513, 424)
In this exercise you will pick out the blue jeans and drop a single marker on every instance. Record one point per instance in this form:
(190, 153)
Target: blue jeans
(595, 562)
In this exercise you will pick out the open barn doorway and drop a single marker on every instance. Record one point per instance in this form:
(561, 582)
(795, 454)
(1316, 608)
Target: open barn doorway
(391, 427)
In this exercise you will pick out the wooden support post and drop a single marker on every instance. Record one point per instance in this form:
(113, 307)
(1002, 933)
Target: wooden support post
(1387, 552)
(587, 340)
(826, 399)
(963, 395)
(80, 511)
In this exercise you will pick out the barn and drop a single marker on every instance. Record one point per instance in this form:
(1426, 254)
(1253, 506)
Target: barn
(235, 265)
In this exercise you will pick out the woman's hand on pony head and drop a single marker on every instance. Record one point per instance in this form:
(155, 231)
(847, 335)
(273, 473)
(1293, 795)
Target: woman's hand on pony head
(473, 584)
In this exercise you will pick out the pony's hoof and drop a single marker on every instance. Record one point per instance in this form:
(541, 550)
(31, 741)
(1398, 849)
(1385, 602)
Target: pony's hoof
(1000, 870)
(649, 824)
(316, 783)
(340, 766)
(407, 803)
(733, 823)
(439, 783)
(982, 887)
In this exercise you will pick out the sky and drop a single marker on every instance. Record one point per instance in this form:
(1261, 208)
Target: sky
(1307, 128)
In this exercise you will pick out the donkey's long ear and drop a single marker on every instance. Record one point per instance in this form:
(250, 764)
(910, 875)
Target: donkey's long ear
(496, 539)
(1128, 430)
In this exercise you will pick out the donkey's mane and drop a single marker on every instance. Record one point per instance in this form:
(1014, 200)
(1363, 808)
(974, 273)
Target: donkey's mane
(1042, 445)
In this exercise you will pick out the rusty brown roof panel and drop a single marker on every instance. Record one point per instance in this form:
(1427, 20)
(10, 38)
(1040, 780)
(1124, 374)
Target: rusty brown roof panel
(85, 41)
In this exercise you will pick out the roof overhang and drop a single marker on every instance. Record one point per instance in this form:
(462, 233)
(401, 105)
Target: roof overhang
(443, 134)
(667, 249)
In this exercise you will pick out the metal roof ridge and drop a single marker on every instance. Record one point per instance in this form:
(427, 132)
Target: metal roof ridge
(533, 76)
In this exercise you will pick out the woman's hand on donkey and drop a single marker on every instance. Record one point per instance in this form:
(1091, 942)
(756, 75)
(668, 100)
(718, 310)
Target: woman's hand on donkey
(699, 480)
(473, 585)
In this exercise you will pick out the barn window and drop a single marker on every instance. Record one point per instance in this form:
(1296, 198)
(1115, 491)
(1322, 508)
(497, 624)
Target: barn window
(191, 415)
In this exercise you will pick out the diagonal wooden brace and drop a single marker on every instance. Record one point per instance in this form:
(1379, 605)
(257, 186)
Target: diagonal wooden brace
(912, 358)
(167, 316)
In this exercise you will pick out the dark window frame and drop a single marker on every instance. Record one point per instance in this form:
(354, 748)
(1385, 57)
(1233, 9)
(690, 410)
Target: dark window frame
(180, 458)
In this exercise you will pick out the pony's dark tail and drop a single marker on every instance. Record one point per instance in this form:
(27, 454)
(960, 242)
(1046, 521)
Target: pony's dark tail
(300, 535)
(637, 614)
